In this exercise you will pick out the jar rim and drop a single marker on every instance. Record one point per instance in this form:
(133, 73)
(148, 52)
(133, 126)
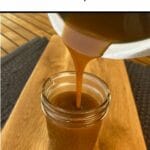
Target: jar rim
(46, 102)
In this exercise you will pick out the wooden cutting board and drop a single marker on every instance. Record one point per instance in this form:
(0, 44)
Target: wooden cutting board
(26, 127)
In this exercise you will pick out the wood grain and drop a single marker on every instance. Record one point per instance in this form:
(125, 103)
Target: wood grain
(143, 60)
(37, 23)
(40, 18)
(2, 53)
(27, 25)
(26, 128)
(21, 27)
(17, 28)
(7, 44)
(13, 36)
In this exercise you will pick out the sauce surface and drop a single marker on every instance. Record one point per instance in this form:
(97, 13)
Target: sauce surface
(67, 101)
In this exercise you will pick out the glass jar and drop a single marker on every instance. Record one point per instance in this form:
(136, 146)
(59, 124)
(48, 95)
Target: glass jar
(74, 130)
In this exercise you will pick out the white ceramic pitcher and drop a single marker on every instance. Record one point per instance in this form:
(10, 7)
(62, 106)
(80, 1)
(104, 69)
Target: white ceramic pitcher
(134, 49)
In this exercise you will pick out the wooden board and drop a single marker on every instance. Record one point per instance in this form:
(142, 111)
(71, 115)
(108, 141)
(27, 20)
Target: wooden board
(26, 127)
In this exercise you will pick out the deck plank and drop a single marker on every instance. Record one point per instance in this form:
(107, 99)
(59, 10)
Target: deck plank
(2, 53)
(43, 15)
(10, 34)
(40, 18)
(7, 45)
(26, 25)
(31, 20)
(17, 28)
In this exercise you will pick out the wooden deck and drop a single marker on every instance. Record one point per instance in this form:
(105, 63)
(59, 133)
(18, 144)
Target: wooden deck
(19, 28)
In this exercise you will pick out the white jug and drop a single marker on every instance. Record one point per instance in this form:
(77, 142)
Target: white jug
(123, 50)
